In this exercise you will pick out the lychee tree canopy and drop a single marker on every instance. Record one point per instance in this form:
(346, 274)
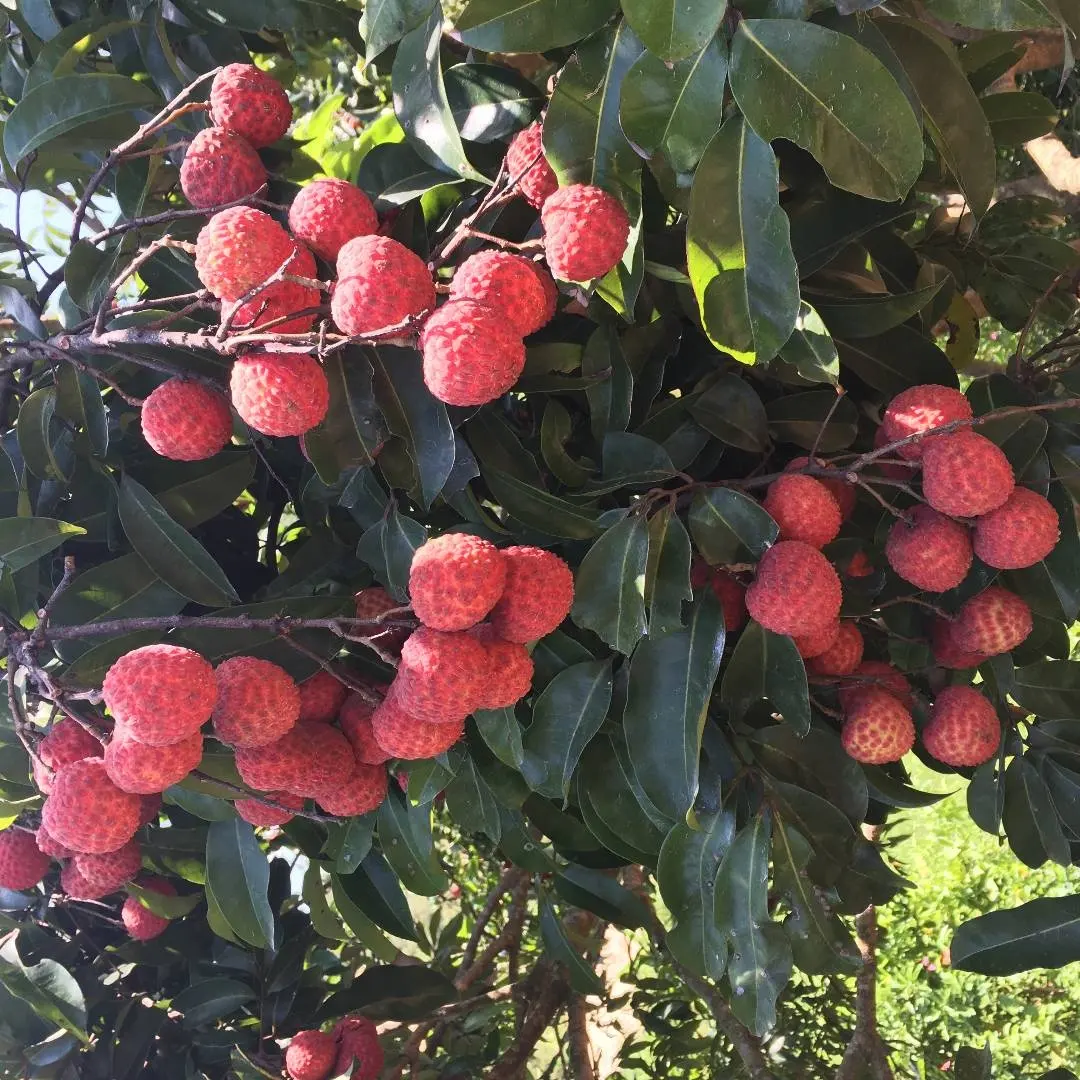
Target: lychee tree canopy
(814, 228)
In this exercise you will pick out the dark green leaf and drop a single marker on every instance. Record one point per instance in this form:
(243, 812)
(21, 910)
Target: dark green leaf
(388, 547)
(727, 526)
(609, 589)
(210, 1000)
(374, 889)
(78, 400)
(597, 892)
(1043, 933)
(972, 1064)
(768, 666)
(810, 350)
(672, 30)
(873, 314)
(799, 418)
(996, 14)
(501, 732)
(389, 992)
(582, 977)
(531, 25)
(237, 877)
(472, 804)
(44, 444)
(893, 361)
(405, 838)
(1018, 117)
(667, 575)
(386, 22)
(540, 509)
(730, 409)
(1049, 688)
(48, 988)
(490, 102)
(25, 540)
(1030, 822)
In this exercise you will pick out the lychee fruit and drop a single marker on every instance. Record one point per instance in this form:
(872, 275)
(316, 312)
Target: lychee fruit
(326, 214)
(843, 492)
(279, 393)
(922, 408)
(328, 761)
(66, 742)
(929, 550)
(877, 728)
(103, 874)
(538, 595)
(22, 863)
(843, 656)
(875, 674)
(441, 675)
(370, 604)
(585, 232)
(355, 721)
(732, 596)
(455, 580)
(257, 701)
(136, 767)
(525, 163)
(510, 670)
(472, 353)
(817, 641)
(859, 566)
(402, 735)
(321, 696)
(139, 921)
(1020, 532)
(87, 812)
(49, 846)
(358, 1048)
(804, 509)
(251, 103)
(278, 766)
(901, 470)
(220, 167)
(361, 793)
(381, 285)
(149, 808)
(279, 299)
(992, 622)
(238, 249)
(965, 475)
(947, 653)
(310, 1055)
(73, 884)
(186, 421)
(160, 694)
(521, 292)
(262, 815)
(963, 728)
(795, 590)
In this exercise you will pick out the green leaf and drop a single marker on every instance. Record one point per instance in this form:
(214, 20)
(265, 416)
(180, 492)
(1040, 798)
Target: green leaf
(500, 730)
(44, 444)
(48, 988)
(374, 889)
(324, 921)
(472, 804)
(994, 14)
(829, 95)
(541, 510)
(490, 102)
(811, 350)
(867, 316)
(62, 105)
(238, 876)
(385, 22)
(210, 999)
(388, 548)
(893, 361)
(801, 419)
(25, 540)
(168, 907)
(565, 718)
(609, 588)
(1043, 933)
(405, 838)
(768, 666)
(672, 30)
(972, 1064)
(1031, 823)
(511, 26)
(582, 977)
(356, 843)
(358, 923)
(727, 526)
(595, 891)
(730, 409)
(610, 398)
(388, 992)
(78, 400)
(170, 550)
(667, 574)
(1049, 688)
(1018, 117)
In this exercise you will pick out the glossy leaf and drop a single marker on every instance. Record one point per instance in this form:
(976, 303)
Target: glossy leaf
(374, 889)
(388, 992)
(672, 30)
(531, 25)
(582, 977)
(730, 409)
(48, 988)
(810, 350)
(728, 526)
(667, 573)
(488, 101)
(1018, 117)
(1049, 688)
(1043, 933)
(768, 666)
(25, 540)
(472, 804)
(385, 22)
(406, 841)
(210, 1000)
(237, 876)
(501, 732)
(609, 587)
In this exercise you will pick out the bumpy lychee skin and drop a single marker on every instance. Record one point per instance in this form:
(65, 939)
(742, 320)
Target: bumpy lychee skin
(795, 591)
(472, 353)
(251, 103)
(732, 596)
(104, 874)
(963, 728)
(160, 694)
(843, 656)
(929, 550)
(22, 863)
(992, 622)
(279, 393)
(965, 475)
(526, 163)
(321, 697)
(1020, 532)
(326, 214)
(402, 735)
(877, 728)
(441, 675)
(897, 468)
(262, 815)
(257, 702)
(328, 761)
(875, 674)
(538, 595)
(455, 580)
(363, 792)
(220, 167)
(817, 641)
(358, 1047)
(143, 770)
(804, 509)
(519, 290)
(947, 653)
(65, 743)
(843, 492)
(310, 1055)
(186, 421)
(73, 884)
(139, 921)
(381, 284)
(278, 766)
(87, 812)
(510, 670)
(922, 408)
(238, 249)
(585, 232)
(280, 299)
(370, 604)
(355, 721)
(47, 845)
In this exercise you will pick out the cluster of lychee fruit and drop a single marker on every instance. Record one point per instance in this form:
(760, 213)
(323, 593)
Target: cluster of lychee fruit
(352, 1043)
(266, 278)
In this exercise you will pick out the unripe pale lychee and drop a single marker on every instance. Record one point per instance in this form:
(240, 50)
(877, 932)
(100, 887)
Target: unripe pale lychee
(328, 761)
(220, 167)
(279, 393)
(48, 846)
(877, 728)
(381, 284)
(278, 766)
(139, 921)
(1020, 532)
(251, 103)
(238, 249)
(257, 701)
(103, 874)
(355, 721)
(525, 163)
(358, 1048)
(326, 214)
(585, 232)
(310, 1055)
(256, 812)
(441, 675)
(992, 622)
(22, 863)
(804, 509)
(963, 728)
(321, 697)
(817, 641)
(279, 299)
(455, 580)
(965, 475)
(843, 492)
(875, 674)
(472, 353)
(843, 656)
(922, 408)
(136, 767)
(510, 670)
(65, 743)
(87, 812)
(538, 595)
(361, 793)
(795, 590)
(186, 421)
(518, 289)
(947, 653)
(929, 550)
(405, 736)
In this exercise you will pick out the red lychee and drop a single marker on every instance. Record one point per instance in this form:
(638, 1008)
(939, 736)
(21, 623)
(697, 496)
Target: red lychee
(328, 761)
(355, 721)
(47, 845)
(843, 656)
(585, 232)
(65, 743)
(929, 550)
(160, 694)
(74, 885)
(817, 641)
(922, 408)
(310, 1055)
(251, 103)
(894, 469)
(510, 670)
(843, 492)
(732, 596)
(87, 812)
(136, 767)
(321, 696)
(326, 214)
(441, 675)
(963, 728)
(358, 1047)
(804, 509)
(370, 604)
(538, 595)
(139, 921)
(405, 736)
(381, 285)
(363, 792)
(279, 766)
(992, 622)
(100, 875)
(1020, 532)
(522, 292)
(525, 163)
(455, 580)
(256, 812)
(859, 566)
(947, 653)
(186, 421)
(257, 702)
(472, 353)
(877, 728)
(795, 591)
(279, 299)
(965, 475)
(279, 393)
(238, 249)
(875, 674)
(22, 863)
(220, 167)
(149, 809)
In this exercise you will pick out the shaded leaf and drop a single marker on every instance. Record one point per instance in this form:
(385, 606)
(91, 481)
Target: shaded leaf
(768, 666)
(237, 877)
(531, 25)
(609, 587)
(727, 526)
(405, 838)
(1043, 933)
